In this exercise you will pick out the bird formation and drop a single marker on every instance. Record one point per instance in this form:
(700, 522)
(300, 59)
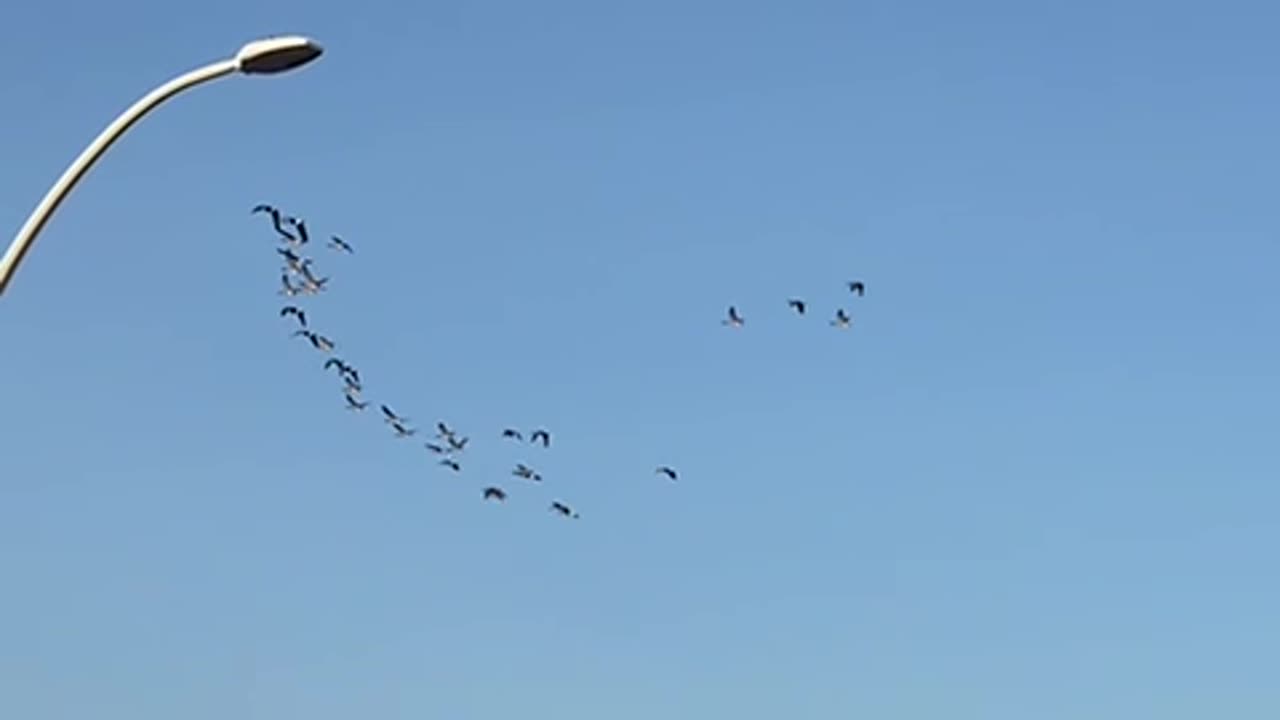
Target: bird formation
(298, 279)
(842, 319)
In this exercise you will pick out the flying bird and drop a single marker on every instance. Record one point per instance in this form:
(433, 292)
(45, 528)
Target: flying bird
(544, 435)
(669, 472)
(495, 493)
(437, 449)
(301, 226)
(338, 243)
(351, 386)
(735, 320)
(510, 433)
(451, 464)
(842, 321)
(290, 290)
(391, 416)
(401, 430)
(353, 404)
(443, 431)
(563, 509)
(336, 362)
(457, 443)
(798, 305)
(296, 312)
(856, 287)
(275, 220)
(526, 472)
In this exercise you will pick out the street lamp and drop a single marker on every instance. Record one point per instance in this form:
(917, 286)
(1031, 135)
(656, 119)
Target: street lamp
(260, 57)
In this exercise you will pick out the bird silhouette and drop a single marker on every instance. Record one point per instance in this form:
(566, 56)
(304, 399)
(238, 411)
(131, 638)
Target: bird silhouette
(301, 226)
(336, 362)
(734, 320)
(495, 493)
(319, 341)
(669, 472)
(401, 430)
(856, 287)
(542, 435)
(289, 290)
(510, 433)
(437, 449)
(457, 443)
(296, 312)
(563, 509)
(526, 472)
(338, 243)
(451, 464)
(390, 416)
(354, 404)
(842, 321)
(797, 305)
(275, 220)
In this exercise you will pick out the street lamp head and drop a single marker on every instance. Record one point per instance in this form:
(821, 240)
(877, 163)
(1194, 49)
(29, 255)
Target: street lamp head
(276, 54)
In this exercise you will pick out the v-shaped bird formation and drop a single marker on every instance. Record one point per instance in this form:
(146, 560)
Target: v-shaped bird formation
(298, 279)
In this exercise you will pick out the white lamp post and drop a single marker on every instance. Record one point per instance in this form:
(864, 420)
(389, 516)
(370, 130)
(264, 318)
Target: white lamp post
(260, 57)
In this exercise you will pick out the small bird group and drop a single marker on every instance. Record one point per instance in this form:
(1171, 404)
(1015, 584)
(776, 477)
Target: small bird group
(842, 319)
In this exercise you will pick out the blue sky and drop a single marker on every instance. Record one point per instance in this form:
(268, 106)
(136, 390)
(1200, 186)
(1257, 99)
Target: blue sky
(1037, 478)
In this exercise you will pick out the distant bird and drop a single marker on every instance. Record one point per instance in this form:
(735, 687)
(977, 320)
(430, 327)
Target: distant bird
(526, 472)
(510, 433)
(352, 376)
(319, 341)
(391, 416)
(301, 226)
(457, 443)
(544, 435)
(842, 321)
(336, 362)
(451, 464)
(437, 449)
(290, 290)
(353, 404)
(798, 305)
(294, 262)
(401, 430)
(563, 509)
(664, 470)
(296, 312)
(735, 320)
(338, 243)
(495, 493)
(351, 386)
(856, 287)
(275, 220)
(443, 431)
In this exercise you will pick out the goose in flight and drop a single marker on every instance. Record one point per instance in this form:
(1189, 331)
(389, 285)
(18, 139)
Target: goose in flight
(289, 290)
(296, 312)
(734, 320)
(275, 220)
(526, 472)
(391, 416)
(669, 472)
(313, 287)
(542, 435)
(437, 449)
(512, 433)
(319, 341)
(443, 431)
(457, 443)
(856, 287)
(337, 362)
(293, 262)
(301, 226)
(495, 493)
(354, 404)
(451, 464)
(401, 430)
(563, 509)
(797, 305)
(338, 243)
(842, 321)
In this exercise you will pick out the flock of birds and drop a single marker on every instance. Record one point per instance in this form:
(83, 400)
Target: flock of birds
(298, 279)
(842, 319)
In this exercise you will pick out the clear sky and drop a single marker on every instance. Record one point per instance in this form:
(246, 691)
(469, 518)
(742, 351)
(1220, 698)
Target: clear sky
(1037, 479)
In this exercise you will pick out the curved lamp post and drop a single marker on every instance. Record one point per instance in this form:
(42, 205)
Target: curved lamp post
(260, 57)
